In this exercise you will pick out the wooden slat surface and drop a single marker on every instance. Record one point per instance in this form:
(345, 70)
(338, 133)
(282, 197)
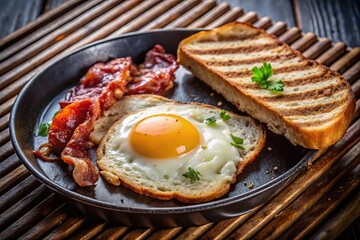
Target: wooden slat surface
(320, 203)
(39, 22)
(332, 20)
(37, 34)
(338, 20)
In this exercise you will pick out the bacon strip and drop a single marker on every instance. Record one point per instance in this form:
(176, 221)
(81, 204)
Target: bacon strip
(75, 153)
(106, 81)
(44, 152)
(155, 75)
(70, 130)
(102, 85)
(65, 123)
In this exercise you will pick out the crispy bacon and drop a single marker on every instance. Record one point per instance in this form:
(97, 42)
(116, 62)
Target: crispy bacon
(155, 75)
(65, 123)
(106, 81)
(44, 152)
(103, 85)
(85, 173)
(69, 132)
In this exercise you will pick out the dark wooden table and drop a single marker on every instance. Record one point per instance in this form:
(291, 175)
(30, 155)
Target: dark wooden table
(337, 20)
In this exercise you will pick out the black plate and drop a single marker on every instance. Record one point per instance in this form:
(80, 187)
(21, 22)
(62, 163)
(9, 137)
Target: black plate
(277, 165)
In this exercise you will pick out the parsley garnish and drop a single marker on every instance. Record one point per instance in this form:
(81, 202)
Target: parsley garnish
(192, 175)
(43, 129)
(262, 75)
(276, 86)
(224, 116)
(237, 142)
(56, 113)
(210, 121)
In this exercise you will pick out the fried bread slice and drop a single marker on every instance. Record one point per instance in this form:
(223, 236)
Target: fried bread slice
(163, 178)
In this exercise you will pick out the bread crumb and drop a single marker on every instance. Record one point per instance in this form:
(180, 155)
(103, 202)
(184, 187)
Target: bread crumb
(308, 164)
(327, 92)
(276, 168)
(245, 183)
(219, 104)
(212, 94)
(269, 148)
(267, 172)
(251, 186)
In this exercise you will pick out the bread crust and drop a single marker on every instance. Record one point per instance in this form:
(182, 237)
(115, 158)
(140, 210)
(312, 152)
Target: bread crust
(217, 192)
(310, 137)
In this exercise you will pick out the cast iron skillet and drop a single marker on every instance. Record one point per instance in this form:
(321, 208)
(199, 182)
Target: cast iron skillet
(278, 164)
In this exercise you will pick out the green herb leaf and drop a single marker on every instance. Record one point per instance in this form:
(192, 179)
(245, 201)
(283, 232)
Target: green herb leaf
(56, 113)
(192, 175)
(237, 142)
(262, 75)
(276, 86)
(257, 75)
(224, 116)
(264, 85)
(267, 69)
(43, 129)
(210, 121)
(203, 147)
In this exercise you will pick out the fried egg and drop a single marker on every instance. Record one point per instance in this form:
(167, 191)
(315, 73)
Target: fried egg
(152, 151)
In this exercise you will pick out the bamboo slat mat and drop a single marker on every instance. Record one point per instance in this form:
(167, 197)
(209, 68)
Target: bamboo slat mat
(319, 204)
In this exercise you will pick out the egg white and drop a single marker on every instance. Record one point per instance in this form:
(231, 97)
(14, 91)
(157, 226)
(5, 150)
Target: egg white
(215, 158)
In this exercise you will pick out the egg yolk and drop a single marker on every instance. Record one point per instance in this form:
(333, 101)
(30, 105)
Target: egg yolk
(164, 136)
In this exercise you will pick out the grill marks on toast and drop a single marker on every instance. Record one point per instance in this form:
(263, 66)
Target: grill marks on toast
(306, 95)
(312, 108)
(233, 50)
(292, 84)
(307, 80)
(315, 119)
(232, 38)
(243, 56)
(258, 60)
(319, 108)
(316, 105)
(209, 45)
(233, 59)
(321, 99)
(276, 64)
(247, 72)
(290, 79)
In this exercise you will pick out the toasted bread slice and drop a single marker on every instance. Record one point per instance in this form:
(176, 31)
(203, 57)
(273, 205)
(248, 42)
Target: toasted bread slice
(316, 106)
(163, 178)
